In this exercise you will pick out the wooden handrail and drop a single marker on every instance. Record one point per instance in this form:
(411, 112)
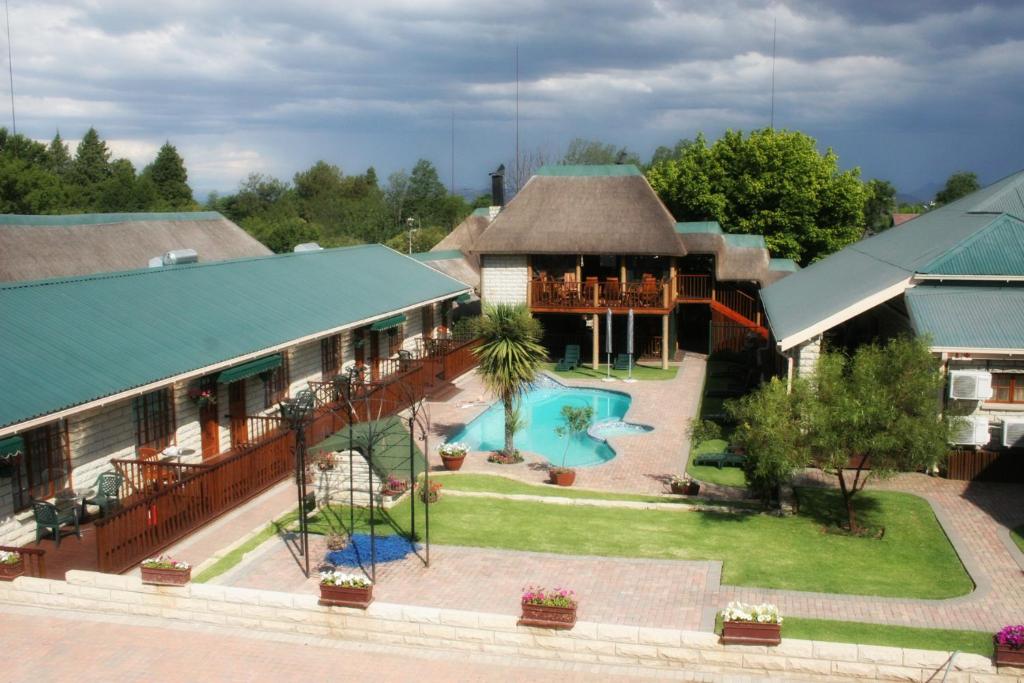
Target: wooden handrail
(34, 559)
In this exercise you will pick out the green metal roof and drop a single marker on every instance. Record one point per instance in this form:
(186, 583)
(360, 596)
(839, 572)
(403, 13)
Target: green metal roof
(250, 369)
(589, 171)
(748, 241)
(443, 255)
(12, 445)
(786, 265)
(70, 341)
(106, 218)
(841, 282)
(482, 211)
(968, 316)
(388, 323)
(997, 249)
(692, 227)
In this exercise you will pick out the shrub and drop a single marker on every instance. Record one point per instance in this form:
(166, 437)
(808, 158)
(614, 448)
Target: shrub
(704, 430)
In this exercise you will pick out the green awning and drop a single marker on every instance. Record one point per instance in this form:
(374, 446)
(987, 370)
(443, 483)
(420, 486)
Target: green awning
(250, 369)
(388, 323)
(463, 298)
(11, 446)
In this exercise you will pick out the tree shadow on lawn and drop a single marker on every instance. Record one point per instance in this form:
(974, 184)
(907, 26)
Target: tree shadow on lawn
(826, 508)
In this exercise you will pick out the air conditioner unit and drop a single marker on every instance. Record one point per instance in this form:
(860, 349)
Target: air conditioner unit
(1013, 432)
(971, 431)
(970, 385)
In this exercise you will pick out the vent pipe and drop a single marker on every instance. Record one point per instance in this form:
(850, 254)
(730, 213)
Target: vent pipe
(498, 187)
(177, 257)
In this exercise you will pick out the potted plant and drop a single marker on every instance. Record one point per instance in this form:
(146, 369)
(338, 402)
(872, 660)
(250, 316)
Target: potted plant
(165, 571)
(548, 608)
(394, 487)
(575, 421)
(751, 624)
(430, 494)
(453, 455)
(323, 461)
(336, 541)
(505, 458)
(684, 485)
(345, 590)
(11, 565)
(202, 397)
(1009, 646)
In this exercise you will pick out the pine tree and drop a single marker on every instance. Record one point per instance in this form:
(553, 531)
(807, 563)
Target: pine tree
(58, 158)
(170, 179)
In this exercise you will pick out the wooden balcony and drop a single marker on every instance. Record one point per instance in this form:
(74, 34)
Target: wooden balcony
(650, 296)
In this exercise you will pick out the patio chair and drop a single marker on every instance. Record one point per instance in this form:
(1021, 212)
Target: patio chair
(622, 361)
(50, 518)
(571, 359)
(106, 494)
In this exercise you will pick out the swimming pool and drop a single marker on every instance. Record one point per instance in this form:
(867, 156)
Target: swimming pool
(541, 407)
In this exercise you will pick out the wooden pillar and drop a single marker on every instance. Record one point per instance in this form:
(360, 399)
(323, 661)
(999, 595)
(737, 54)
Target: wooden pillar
(622, 269)
(579, 268)
(596, 319)
(664, 342)
(672, 286)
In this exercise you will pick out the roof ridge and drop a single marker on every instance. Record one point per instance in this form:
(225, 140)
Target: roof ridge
(79, 219)
(22, 284)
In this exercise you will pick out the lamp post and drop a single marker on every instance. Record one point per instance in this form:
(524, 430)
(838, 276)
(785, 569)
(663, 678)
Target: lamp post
(410, 221)
(296, 412)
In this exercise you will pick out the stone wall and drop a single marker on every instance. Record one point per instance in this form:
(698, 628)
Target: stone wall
(504, 279)
(805, 357)
(493, 634)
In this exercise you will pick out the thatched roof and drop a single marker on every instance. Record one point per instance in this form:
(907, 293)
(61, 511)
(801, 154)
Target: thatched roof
(464, 236)
(737, 257)
(38, 247)
(454, 264)
(583, 210)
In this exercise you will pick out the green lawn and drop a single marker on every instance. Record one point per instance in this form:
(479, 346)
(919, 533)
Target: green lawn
(727, 476)
(498, 484)
(1018, 536)
(644, 372)
(913, 560)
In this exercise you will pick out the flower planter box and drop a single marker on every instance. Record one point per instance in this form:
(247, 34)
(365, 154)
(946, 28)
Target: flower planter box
(345, 596)
(562, 478)
(1009, 656)
(165, 577)
(9, 572)
(751, 633)
(453, 463)
(548, 617)
(691, 489)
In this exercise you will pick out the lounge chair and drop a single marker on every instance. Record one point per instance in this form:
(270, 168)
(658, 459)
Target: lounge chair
(106, 494)
(720, 460)
(622, 361)
(50, 518)
(571, 359)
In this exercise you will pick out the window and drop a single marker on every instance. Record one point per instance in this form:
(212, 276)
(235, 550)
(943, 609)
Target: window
(330, 357)
(154, 419)
(1007, 388)
(45, 466)
(396, 335)
(275, 384)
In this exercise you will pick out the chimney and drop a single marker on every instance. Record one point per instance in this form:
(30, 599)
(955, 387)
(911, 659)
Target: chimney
(498, 187)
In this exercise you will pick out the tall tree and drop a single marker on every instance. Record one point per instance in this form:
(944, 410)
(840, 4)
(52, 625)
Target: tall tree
(594, 152)
(58, 158)
(958, 185)
(92, 159)
(510, 355)
(879, 204)
(771, 182)
(170, 179)
(426, 198)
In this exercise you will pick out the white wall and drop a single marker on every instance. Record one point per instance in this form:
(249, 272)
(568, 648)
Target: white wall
(504, 279)
(805, 357)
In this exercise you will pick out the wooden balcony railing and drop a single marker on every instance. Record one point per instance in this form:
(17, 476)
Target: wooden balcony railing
(142, 477)
(689, 287)
(596, 295)
(34, 559)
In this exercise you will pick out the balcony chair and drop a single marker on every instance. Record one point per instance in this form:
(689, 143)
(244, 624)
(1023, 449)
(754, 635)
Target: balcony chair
(50, 518)
(571, 359)
(105, 494)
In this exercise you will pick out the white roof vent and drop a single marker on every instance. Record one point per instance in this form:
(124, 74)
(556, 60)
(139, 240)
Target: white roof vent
(307, 246)
(971, 431)
(177, 257)
(970, 385)
(1013, 432)
(156, 262)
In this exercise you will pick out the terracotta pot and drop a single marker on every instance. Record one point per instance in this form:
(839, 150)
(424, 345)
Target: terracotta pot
(1009, 656)
(344, 596)
(452, 463)
(563, 478)
(693, 489)
(9, 572)
(548, 617)
(165, 577)
(751, 633)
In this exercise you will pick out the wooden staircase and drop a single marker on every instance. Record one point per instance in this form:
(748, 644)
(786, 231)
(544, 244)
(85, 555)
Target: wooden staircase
(727, 300)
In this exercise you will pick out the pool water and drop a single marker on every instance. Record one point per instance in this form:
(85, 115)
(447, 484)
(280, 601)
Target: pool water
(541, 407)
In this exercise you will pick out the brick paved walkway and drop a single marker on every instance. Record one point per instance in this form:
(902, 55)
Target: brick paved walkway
(643, 462)
(686, 595)
(54, 646)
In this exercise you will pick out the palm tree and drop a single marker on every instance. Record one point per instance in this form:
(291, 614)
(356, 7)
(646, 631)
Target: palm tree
(510, 355)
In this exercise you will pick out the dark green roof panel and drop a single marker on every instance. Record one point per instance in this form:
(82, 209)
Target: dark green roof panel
(388, 323)
(69, 341)
(702, 227)
(969, 316)
(250, 369)
(597, 170)
(997, 249)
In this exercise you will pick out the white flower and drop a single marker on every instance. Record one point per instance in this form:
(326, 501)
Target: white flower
(763, 614)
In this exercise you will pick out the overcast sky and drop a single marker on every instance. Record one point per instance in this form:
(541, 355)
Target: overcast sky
(909, 90)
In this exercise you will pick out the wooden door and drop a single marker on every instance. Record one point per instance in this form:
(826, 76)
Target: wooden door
(236, 411)
(209, 425)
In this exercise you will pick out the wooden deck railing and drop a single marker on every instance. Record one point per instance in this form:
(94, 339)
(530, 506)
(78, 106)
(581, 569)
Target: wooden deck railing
(693, 287)
(553, 295)
(143, 477)
(34, 559)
